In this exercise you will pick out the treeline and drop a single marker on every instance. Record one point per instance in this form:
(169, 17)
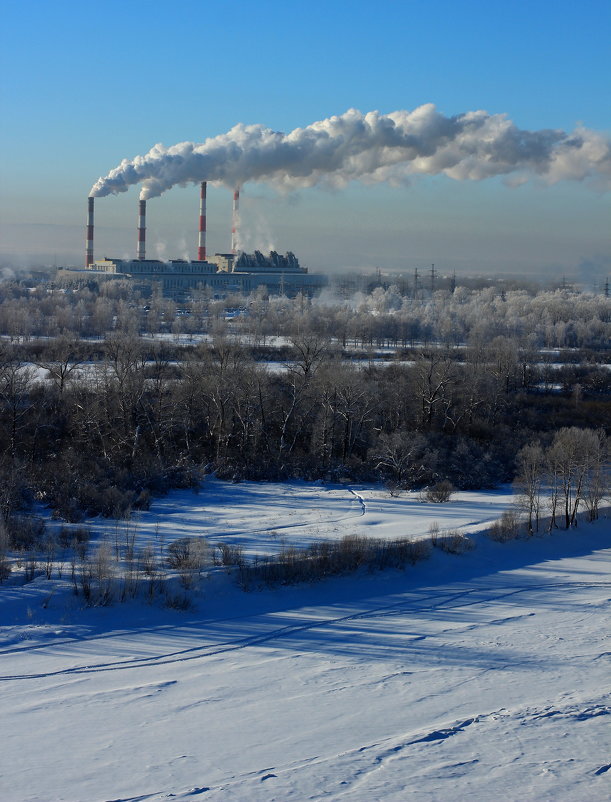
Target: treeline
(383, 317)
(100, 428)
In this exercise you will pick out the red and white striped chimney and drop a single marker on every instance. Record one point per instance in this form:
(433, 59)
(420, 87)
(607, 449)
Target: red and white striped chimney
(201, 250)
(89, 242)
(235, 220)
(142, 231)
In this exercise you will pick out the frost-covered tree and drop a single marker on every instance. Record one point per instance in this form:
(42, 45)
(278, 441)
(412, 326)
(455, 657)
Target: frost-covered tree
(574, 464)
(530, 467)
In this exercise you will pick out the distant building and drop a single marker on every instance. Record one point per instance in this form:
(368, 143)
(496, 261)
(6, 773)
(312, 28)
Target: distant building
(224, 273)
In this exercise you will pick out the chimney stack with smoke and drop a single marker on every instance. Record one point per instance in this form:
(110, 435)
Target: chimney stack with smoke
(201, 250)
(142, 231)
(89, 243)
(235, 221)
(372, 148)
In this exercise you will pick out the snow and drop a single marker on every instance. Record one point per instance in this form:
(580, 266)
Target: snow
(478, 676)
(262, 517)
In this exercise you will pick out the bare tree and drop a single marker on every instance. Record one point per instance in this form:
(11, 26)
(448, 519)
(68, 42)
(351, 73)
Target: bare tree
(403, 455)
(434, 376)
(5, 542)
(573, 459)
(16, 382)
(63, 357)
(311, 351)
(530, 463)
(598, 483)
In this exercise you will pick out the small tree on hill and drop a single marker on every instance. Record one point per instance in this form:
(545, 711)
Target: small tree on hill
(575, 462)
(529, 482)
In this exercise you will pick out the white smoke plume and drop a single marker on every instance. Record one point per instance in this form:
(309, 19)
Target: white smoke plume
(255, 229)
(370, 147)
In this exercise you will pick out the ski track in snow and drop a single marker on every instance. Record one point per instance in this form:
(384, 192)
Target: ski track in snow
(443, 738)
(398, 608)
(360, 500)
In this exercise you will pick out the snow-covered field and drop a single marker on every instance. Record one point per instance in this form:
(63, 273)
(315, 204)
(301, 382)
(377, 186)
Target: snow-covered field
(477, 677)
(262, 517)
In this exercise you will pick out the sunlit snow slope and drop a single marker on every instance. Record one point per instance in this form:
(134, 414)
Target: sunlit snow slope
(476, 677)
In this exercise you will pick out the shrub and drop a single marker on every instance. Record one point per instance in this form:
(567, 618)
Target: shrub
(398, 553)
(188, 556)
(178, 601)
(506, 528)
(331, 558)
(143, 500)
(5, 544)
(31, 569)
(5, 568)
(178, 553)
(49, 552)
(69, 510)
(25, 532)
(69, 535)
(394, 488)
(452, 541)
(147, 562)
(440, 492)
(111, 502)
(229, 554)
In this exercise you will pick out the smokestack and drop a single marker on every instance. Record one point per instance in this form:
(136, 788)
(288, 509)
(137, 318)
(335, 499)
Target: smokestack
(89, 242)
(201, 250)
(142, 231)
(235, 221)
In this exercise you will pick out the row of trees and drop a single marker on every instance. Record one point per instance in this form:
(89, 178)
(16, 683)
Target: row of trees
(571, 473)
(101, 435)
(533, 320)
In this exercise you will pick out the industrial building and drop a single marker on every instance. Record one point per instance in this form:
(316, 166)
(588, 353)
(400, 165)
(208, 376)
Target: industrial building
(223, 273)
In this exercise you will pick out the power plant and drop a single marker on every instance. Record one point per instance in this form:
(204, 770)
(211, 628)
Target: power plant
(352, 146)
(235, 271)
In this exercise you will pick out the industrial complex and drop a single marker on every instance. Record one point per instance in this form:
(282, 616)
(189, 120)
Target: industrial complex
(222, 273)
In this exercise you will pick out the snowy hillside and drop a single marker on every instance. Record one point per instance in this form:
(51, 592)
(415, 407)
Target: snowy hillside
(479, 676)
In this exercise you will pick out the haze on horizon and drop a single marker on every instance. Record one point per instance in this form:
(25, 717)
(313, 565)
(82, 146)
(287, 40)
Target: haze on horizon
(94, 86)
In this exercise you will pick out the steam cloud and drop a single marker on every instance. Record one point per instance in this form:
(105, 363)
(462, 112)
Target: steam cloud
(371, 148)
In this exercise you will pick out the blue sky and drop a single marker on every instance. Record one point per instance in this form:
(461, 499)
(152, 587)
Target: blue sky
(86, 85)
